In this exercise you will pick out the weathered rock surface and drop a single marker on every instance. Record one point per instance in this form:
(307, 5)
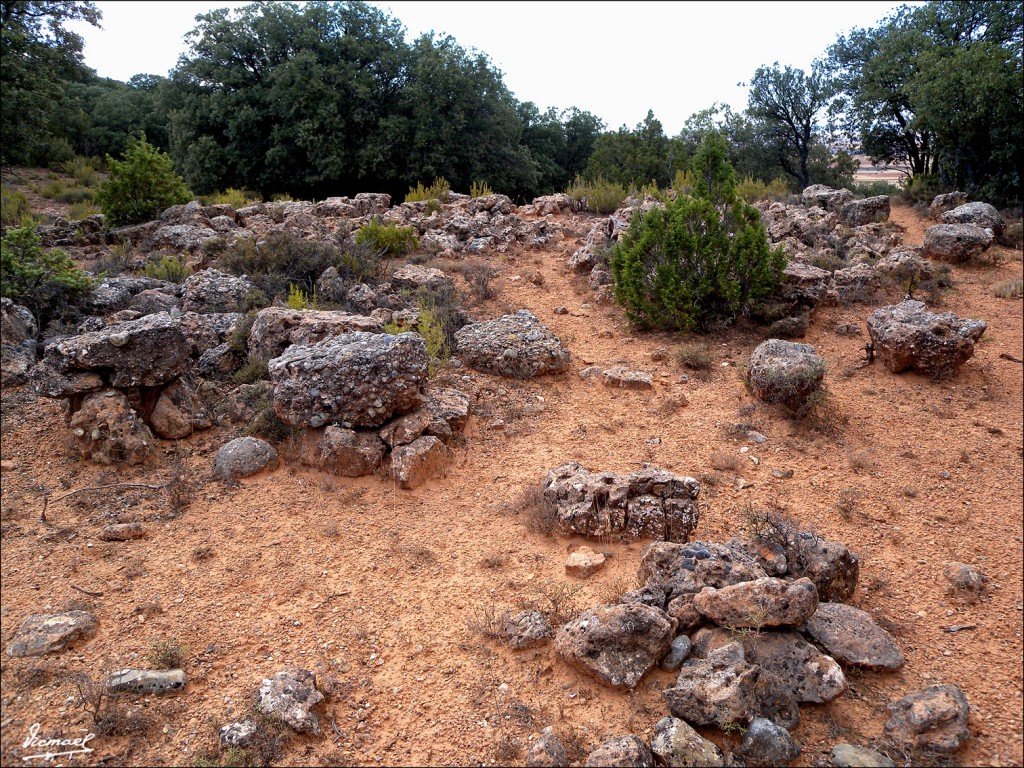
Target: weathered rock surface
(291, 695)
(811, 675)
(18, 348)
(956, 243)
(617, 644)
(677, 653)
(946, 202)
(146, 352)
(965, 577)
(785, 372)
(239, 734)
(908, 337)
(685, 569)
(178, 411)
(341, 451)
(40, 634)
(650, 503)
(525, 629)
(214, 291)
(851, 756)
(205, 331)
(121, 532)
(767, 602)
(547, 751)
(826, 197)
(832, 567)
(857, 213)
(406, 428)
(803, 285)
(584, 563)
(412, 277)
(933, 719)
(154, 300)
(147, 681)
(277, 328)
(114, 293)
(677, 744)
(851, 636)
(518, 346)
(622, 378)
(979, 214)
(767, 744)
(623, 751)
(449, 411)
(425, 458)
(107, 430)
(242, 457)
(354, 380)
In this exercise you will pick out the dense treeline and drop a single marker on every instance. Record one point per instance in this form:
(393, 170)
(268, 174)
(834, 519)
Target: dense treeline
(328, 98)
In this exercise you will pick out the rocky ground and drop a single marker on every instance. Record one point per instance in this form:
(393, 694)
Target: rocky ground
(389, 595)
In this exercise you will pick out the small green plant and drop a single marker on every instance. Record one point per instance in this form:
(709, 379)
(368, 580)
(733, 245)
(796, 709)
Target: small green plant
(48, 283)
(480, 189)
(84, 210)
(83, 169)
(173, 269)
(13, 207)
(1009, 289)
(140, 186)
(254, 369)
(388, 239)
(299, 299)
(696, 357)
(440, 190)
(236, 198)
(167, 654)
(598, 195)
(431, 328)
(876, 188)
(683, 182)
(751, 190)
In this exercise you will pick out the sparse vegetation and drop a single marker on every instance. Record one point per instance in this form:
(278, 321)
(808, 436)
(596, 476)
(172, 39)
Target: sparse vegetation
(388, 239)
(695, 356)
(13, 207)
(1009, 289)
(480, 189)
(538, 514)
(440, 192)
(597, 195)
(480, 276)
(167, 654)
(173, 269)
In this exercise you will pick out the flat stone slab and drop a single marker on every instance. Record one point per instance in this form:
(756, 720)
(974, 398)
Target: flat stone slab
(40, 634)
(851, 636)
(147, 681)
(622, 378)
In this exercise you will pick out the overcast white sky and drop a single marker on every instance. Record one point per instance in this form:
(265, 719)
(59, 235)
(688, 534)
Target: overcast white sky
(614, 59)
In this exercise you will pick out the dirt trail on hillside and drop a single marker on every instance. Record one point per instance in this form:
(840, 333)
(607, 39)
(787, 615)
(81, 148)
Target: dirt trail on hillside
(380, 590)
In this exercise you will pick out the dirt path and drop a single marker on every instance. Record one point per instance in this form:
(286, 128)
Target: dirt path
(378, 590)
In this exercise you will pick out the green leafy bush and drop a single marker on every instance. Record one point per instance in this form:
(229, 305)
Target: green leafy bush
(83, 210)
(480, 189)
(299, 299)
(174, 269)
(597, 196)
(440, 190)
(388, 239)
(13, 207)
(700, 260)
(46, 282)
(923, 188)
(83, 169)
(140, 186)
(683, 182)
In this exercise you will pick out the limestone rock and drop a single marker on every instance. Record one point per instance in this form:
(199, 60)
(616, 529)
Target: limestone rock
(767, 602)
(421, 460)
(624, 751)
(851, 636)
(154, 300)
(412, 277)
(907, 336)
(685, 569)
(525, 629)
(851, 756)
(449, 411)
(121, 532)
(650, 503)
(584, 563)
(934, 719)
(242, 457)
(621, 378)
(214, 291)
(518, 346)
(205, 331)
(406, 428)
(277, 328)
(826, 197)
(946, 202)
(979, 214)
(677, 744)
(18, 329)
(718, 690)
(617, 644)
(107, 430)
(178, 411)
(291, 695)
(355, 380)
(956, 243)
(785, 372)
(342, 452)
(856, 213)
(40, 634)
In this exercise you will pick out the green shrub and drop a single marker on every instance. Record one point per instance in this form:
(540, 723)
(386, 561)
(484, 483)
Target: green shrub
(696, 357)
(597, 196)
(700, 260)
(46, 282)
(923, 187)
(83, 210)
(388, 239)
(140, 186)
(480, 189)
(83, 169)
(1010, 289)
(299, 299)
(254, 369)
(173, 269)
(751, 190)
(284, 259)
(876, 188)
(13, 207)
(683, 182)
(440, 190)
(236, 198)
(431, 326)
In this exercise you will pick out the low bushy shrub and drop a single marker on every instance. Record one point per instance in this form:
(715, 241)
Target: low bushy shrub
(597, 196)
(440, 191)
(85, 170)
(48, 283)
(480, 189)
(923, 188)
(13, 207)
(236, 198)
(876, 188)
(82, 210)
(387, 239)
(140, 186)
(751, 190)
(173, 269)
(299, 299)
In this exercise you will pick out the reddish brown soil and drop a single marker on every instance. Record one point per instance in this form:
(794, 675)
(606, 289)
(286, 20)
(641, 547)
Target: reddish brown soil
(378, 589)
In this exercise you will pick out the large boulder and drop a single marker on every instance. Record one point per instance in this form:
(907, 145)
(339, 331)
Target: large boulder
(413, 277)
(650, 503)
(178, 411)
(40, 634)
(421, 460)
(857, 213)
(242, 457)
(214, 291)
(18, 346)
(908, 337)
(107, 430)
(146, 352)
(979, 214)
(767, 602)
(946, 202)
(517, 345)
(785, 372)
(114, 293)
(826, 197)
(617, 644)
(354, 380)
(811, 675)
(956, 243)
(341, 451)
(277, 328)
(853, 637)
(934, 719)
(205, 331)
